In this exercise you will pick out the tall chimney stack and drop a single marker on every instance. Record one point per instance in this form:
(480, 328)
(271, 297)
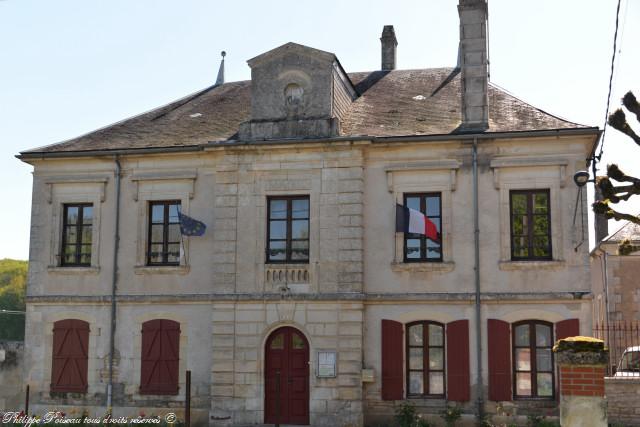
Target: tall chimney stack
(389, 45)
(474, 64)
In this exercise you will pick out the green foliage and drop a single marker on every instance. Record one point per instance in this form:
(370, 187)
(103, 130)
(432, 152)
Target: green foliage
(407, 416)
(13, 281)
(540, 421)
(451, 415)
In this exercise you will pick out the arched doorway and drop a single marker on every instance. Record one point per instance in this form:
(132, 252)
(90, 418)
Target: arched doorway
(286, 359)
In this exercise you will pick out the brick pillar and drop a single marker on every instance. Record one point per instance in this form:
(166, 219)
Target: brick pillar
(582, 362)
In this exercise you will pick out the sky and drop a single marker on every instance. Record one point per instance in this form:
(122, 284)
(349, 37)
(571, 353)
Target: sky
(68, 67)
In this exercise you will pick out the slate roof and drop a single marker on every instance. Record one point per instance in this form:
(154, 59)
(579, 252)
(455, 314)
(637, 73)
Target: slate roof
(391, 103)
(629, 231)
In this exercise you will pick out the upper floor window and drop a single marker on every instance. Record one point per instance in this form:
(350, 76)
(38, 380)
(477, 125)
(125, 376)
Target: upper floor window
(288, 229)
(530, 225)
(77, 234)
(419, 247)
(425, 356)
(164, 238)
(533, 359)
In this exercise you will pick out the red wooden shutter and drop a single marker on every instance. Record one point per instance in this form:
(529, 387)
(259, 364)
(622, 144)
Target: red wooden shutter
(392, 367)
(70, 356)
(499, 343)
(567, 328)
(160, 357)
(458, 378)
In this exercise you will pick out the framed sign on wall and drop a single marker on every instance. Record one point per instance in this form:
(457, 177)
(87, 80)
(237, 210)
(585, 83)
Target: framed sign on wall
(326, 364)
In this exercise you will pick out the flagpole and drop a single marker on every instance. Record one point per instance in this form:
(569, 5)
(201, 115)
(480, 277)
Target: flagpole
(184, 250)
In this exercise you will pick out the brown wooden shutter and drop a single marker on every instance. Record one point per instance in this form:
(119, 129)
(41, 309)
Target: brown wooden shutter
(70, 356)
(458, 378)
(392, 366)
(567, 328)
(160, 357)
(499, 343)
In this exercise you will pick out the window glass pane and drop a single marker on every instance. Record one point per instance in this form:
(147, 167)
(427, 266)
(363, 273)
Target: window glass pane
(71, 234)
(519, 225)
(415, 358)
(85, 249)
(435, 335)
(543, 336)
(174, 233)
(277, 229)
(543, 360)
(436, 383)
(541, 246)
(297, 341)
(278, 209)
(300, 229)
(85, 259)
(413, 248)
(157, 233)
(157, 213)
(277, 251)
(416, 383)
(520, 247)
(518, 204)
(300, 250)
(72, 214)
(300, 208)
(540, 225)
(173, 213)
(413, 203)
(87, 215)
(540, 203)
(523, 384)
(545, 385)
(155, 253)
(523, 359)
(522, 335)
(69, 255)
(436, 359)
(86, 234)
(433, 249)
(415, 335)
(278, 342)
(433, 206)
(173, 252)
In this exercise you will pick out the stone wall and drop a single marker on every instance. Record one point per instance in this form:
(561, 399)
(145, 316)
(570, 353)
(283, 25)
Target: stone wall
(11, 375)
(623, 400)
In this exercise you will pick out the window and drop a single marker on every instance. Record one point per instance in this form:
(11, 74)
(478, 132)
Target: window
(288, 229)
(419, 248)
(164, 233)
(530, 225)
(533, 359)
(425, 356)
(76, 235)
(160, 357)
(70, 356)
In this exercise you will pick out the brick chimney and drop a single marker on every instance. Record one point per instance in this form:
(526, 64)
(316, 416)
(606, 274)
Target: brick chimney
(389, 45)
(473, 62)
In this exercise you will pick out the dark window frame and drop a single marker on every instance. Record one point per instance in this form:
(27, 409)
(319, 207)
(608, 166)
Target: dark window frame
(79, 226)
(423, 239)
(530, 229)
(289, 220)
(425, 360)
(534, 371)
(165, 232)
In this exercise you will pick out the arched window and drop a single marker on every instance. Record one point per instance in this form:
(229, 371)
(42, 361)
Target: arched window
(293, 95)
(70, 356)
(425, 359)
(160, 357)
(533, 375)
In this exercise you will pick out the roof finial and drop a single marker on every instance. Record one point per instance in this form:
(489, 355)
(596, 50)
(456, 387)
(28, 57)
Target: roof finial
(220, 79)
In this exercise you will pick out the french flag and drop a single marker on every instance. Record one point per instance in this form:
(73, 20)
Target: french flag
(412, 221)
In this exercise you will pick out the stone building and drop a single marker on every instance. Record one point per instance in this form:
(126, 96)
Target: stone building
(301, 291)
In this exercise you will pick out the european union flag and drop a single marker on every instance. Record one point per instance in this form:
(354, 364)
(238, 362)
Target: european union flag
(190, 226)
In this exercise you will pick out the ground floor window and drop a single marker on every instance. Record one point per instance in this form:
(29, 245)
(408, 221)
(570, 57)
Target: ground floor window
(533, 359)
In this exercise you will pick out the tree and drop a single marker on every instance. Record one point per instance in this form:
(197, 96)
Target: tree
(13, 279)
(627, 185)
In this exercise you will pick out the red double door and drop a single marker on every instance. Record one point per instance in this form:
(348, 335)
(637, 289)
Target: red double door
(287, 377)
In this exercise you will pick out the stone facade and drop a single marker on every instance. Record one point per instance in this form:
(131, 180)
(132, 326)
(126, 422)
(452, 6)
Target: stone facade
(12, 393)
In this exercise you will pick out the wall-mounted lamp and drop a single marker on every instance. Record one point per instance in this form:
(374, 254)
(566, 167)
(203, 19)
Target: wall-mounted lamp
(581, 178)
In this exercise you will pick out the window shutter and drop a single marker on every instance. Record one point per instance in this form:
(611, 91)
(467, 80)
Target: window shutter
(567, 328)
(160, 357)
(458, 379)
(392, 366)
(70, 356)
(499, 346)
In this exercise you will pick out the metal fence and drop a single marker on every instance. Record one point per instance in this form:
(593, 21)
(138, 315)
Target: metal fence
(623, 341)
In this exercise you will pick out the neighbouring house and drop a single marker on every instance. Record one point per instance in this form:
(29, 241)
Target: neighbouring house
(314, 296)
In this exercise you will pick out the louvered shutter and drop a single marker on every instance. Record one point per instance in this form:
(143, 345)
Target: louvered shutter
(160, 357)
(499, 343)
(458, 378)
(70, 356)
(567, 328)
(392, 367)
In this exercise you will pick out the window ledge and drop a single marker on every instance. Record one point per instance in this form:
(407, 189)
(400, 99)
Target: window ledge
(531, 265)
(72, 271)
(443, 267)
(161, 269)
